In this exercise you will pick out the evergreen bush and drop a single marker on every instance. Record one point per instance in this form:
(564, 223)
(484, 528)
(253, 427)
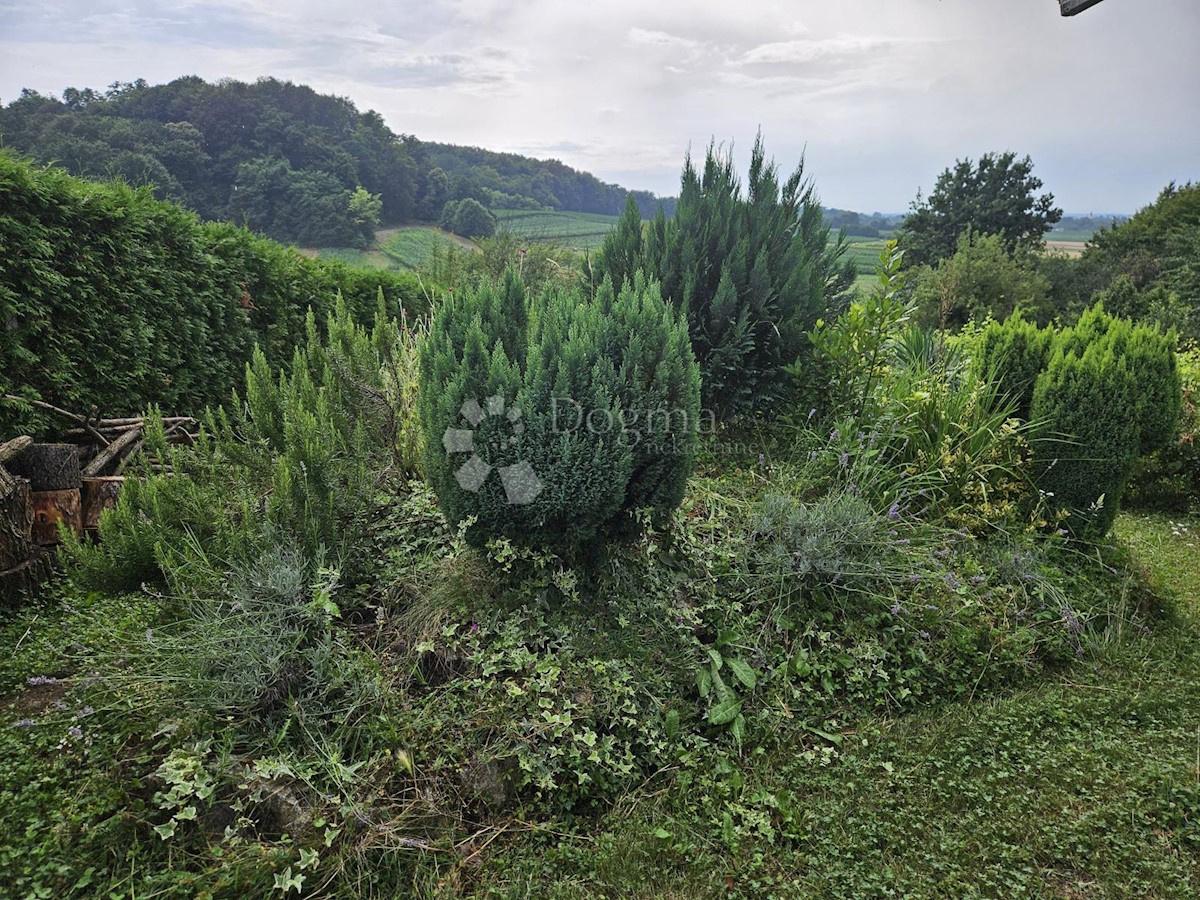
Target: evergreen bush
(1013, 353)
(1087, 401)
(552, 422)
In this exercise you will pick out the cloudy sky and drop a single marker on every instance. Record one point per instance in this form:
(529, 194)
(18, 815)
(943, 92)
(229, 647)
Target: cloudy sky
(881, 94)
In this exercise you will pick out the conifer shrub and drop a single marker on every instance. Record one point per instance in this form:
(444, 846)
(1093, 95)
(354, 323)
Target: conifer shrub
(553, 421)
(293, 462)
(1013, 353)
(1087, 401)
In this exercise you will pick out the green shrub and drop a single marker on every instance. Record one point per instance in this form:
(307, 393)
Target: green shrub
(1088, 402)
(112, 300)
(752, 271)
(295, 461)
(587, 410)
(1013, 353)
(1170, 477)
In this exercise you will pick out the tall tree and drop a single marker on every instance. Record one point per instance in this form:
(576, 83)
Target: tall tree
(753, 270)
(997, 195)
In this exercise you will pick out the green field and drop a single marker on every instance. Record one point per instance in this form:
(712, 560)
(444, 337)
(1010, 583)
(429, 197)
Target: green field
(1071, 236)
(407, 247)
(580, 231)
(411, 248)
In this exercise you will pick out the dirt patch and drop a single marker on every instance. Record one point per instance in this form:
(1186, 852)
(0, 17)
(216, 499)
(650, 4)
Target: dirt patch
(38, 698)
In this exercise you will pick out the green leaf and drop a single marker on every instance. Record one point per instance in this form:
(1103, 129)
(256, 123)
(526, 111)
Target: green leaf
(725, 712)
(743, 673)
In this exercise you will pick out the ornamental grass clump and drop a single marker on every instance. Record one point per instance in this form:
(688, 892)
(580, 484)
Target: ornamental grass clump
(554, 420)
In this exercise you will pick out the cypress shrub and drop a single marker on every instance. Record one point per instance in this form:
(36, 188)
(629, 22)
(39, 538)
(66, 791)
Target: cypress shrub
(1087, 401)
(1013, 353)
(112, 300)
(552, 421)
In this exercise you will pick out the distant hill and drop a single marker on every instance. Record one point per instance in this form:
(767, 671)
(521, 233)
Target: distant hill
(293, 164)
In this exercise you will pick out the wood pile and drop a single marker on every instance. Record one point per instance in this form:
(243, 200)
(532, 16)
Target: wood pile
(48, 486)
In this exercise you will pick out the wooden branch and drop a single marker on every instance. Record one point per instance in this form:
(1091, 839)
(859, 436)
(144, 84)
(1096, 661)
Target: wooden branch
(114, 450)
(74, 417)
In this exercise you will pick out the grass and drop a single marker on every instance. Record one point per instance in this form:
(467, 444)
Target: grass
(580, 231)
(404, 247)
(411, 247)
(1084, 786)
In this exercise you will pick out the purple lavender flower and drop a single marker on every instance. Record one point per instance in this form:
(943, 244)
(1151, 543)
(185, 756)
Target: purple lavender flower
(844, 460)
(25, 723)
(76, 732)
(812, 412)
(835, 436)
(896, 609)
(977, 580)
(894, 511)
(941, 554)
(762, 459)
(914, 577)
(85, 712)
(923, 635)
(1071, 620)
(41, 679)
(952, 581)
(903, 542)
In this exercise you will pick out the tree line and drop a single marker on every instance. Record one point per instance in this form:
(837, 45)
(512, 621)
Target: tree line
(282, 159)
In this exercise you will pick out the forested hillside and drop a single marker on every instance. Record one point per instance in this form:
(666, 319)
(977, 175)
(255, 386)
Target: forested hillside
(282, 159)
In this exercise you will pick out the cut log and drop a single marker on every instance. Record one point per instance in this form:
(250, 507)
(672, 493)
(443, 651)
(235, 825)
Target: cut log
(23, 579)
(113, 452)
(49, 467)
(97, 495)
(52, 507)
(16, 523)
(15, 447)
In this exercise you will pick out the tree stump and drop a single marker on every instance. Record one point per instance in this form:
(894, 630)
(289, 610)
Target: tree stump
(52, 507)
(98, 494)
(49, 467)
(16, 523)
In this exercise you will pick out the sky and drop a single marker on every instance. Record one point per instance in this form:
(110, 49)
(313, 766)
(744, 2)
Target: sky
(878, 96)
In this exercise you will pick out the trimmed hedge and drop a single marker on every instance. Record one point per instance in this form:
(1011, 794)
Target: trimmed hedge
(111, 300)
(1112, 394)
(553, 422)
(1013, 353)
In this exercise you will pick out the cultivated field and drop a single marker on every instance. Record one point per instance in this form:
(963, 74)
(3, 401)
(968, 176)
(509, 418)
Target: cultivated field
(580, 231)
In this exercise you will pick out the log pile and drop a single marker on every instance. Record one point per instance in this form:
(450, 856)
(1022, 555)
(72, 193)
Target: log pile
(48, 486)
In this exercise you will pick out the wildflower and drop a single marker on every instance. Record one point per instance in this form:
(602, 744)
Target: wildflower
(149, 635)
(903, 542)
(941, 554)
(42, 679)
(474, 627)
(896, 609)
(812, 412)
(914, 577)
(952, 581)
(977, 580)
(835, 436)
(25, 723)
(893, 513)
(844, 460)
(85, 712)
(923, 635)
(1071, 620)
(76, 732)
